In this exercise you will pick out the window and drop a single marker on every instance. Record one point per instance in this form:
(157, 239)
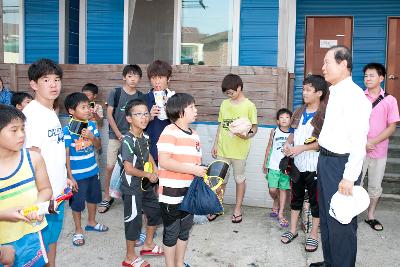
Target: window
(11, 30)
(207, 32)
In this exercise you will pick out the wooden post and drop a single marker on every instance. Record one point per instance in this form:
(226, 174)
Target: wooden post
(282, 92)
(13, 77)
(1, 34)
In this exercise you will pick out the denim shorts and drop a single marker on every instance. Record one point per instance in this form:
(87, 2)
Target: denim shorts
(89, 190)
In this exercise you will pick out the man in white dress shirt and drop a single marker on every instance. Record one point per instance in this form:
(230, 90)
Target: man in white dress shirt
(342, 150)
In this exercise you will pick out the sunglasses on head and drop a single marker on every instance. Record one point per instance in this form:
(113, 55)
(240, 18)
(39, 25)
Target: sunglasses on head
(76, 126)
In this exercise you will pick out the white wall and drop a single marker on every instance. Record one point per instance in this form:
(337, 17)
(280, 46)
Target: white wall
(257, 186)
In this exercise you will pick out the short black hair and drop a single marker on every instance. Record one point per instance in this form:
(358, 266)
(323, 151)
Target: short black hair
(231, 81)
(159, 68)
(91, 87)
(380, 69)
(18, 97)
(341, 53)
(176, 105)
(73, 100)
(43, 67)
(133, 103)
(8, 114)
(283, 111)
(135, 69)
(319, 84)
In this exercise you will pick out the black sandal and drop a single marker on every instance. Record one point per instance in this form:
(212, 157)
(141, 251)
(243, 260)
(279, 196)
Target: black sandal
(212, 217)
(290, 237)
(373, 223)
(106, 204)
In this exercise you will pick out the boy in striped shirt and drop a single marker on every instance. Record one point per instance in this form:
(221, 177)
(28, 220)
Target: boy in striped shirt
(179, 158)
(82, 166)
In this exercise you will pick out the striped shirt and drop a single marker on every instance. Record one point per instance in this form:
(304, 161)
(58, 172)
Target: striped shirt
(19, 190)
(183, 147)
(306, 161)
(81, 153)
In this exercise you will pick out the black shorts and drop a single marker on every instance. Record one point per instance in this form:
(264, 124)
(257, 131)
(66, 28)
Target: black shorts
(177, 224)
(89, 190)
(133, 207)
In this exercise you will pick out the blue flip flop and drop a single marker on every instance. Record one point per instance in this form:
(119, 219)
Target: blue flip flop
(97, 228)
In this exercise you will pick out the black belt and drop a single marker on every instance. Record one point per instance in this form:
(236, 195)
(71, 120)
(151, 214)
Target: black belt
(328, 153)
(174, 192)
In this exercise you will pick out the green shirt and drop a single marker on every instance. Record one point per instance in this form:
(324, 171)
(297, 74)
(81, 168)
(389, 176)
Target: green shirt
(229, 146)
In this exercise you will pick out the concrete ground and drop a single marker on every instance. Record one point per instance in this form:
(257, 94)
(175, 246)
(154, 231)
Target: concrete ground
(254, 242)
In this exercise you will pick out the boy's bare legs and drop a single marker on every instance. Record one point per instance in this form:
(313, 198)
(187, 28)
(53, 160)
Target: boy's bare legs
(273, 192)
(169, 255)
(240, 190)
(282, 202)
(294, 218)
(76, 215)
(51, 255)
(149, 242)
(107, 179)
(91, 214)
(180, 252)
(130, 251)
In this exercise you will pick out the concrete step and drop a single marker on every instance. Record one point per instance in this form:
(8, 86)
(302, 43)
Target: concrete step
(393, 165)
(394, 151)
(391, 183)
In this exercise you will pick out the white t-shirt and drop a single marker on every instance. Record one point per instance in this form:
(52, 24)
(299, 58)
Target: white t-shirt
(43, 130)
(279, 139)
(306, 161)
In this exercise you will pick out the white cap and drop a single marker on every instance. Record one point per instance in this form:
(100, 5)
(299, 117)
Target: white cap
(344, 208)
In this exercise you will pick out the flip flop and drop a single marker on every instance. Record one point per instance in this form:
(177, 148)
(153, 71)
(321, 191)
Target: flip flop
(215, 216)
(311, 242)
(138, 262)
(237, 218)
(78, 240)
(283, 222)
(106, 204)
(290, 237)
(97, 228)
(274, 213)
(373, 223)
(156, 251)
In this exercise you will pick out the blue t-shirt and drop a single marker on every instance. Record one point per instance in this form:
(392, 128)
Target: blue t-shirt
(81, 153)
(5, 96)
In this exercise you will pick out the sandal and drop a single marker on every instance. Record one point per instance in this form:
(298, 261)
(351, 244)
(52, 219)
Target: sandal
(283, 222)
(236, 218)
(97, 228)
(290, 237)
(373, 223)
(106, 204)
(138, 262)
(78, 240)
(274, 213)
(156, 251)
(212, 217)
(311, 242)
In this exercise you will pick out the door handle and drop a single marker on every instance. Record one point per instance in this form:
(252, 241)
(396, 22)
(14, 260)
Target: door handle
(393, 77)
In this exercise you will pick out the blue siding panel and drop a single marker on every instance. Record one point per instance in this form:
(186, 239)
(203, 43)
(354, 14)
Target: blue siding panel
(41, 30)
(258, 45)
(105, 31)
(73, 34)
(369, 32)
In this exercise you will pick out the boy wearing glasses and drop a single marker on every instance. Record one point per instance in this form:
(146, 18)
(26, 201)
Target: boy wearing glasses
(139, 169)
(81, 139)
(234, 148)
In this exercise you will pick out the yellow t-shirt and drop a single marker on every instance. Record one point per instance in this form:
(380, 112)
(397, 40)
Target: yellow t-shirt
(18, 190)
(229, 146)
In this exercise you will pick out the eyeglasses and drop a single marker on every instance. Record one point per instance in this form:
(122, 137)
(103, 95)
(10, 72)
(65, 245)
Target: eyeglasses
(141, 115)
(229, 93)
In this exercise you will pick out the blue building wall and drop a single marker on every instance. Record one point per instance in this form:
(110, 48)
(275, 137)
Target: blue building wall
(41, 29)
(369, 32)
(73, 33)
(258, 33)
(105, 31)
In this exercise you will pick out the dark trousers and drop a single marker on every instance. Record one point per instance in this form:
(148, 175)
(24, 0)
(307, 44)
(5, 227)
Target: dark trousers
(339, 241)
(307, 180)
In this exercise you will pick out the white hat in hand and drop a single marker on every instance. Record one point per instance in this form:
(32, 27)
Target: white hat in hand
(344, 208)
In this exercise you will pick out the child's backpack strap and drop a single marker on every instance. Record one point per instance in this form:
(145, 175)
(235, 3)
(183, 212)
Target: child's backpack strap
(379, 99)
(117, 96)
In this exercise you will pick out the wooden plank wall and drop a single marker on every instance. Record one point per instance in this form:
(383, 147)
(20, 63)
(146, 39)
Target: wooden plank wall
(267, 87)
